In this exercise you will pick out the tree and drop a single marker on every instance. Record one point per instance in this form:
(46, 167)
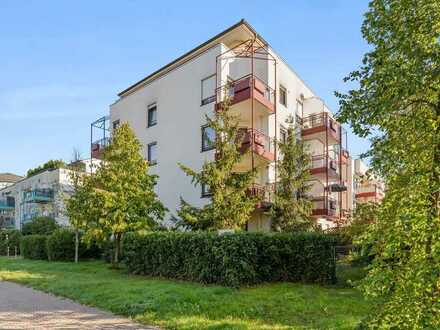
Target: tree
(120, 193)
(397, 105)
(40, 226)
(292, 209)
(50, 165)
(78, 202)
(231, 204)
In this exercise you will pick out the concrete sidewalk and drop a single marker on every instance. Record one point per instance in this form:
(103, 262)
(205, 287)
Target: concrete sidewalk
(25, 308)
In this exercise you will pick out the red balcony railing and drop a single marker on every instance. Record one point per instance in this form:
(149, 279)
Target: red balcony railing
(98, 147)
(260, 143)
(321, 122)
(322, 164)
(369, 191)
(241, 89)
(325, 206)
(264, 193)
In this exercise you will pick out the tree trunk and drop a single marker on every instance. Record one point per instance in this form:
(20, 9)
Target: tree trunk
(117, 248)
(76, 245)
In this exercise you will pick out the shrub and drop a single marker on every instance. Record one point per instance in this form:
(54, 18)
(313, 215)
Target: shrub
(13, 241)
(40, 226)
(34, 247)
(61, 246)
(232, 259)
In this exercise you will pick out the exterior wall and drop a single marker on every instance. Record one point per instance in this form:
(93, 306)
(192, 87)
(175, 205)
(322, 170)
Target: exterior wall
(180, 117)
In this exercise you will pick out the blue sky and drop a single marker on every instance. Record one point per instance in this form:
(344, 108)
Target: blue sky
(62, 63)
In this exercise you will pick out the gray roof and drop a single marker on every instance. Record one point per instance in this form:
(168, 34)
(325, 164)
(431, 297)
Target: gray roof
(9, 177)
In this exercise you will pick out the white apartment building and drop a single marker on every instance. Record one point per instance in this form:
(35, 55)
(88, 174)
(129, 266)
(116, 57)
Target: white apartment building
(167, 112)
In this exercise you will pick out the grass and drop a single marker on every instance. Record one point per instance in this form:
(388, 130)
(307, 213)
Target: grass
(182, 305)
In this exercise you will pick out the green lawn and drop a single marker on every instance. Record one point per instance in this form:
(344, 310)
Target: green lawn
(183, 305)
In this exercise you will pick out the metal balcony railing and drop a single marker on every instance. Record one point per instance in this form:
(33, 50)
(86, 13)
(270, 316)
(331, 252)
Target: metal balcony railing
(261, 143)
(239, 90)
(38, 195)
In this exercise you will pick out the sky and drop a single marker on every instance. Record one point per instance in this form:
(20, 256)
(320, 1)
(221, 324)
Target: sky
(62, 63)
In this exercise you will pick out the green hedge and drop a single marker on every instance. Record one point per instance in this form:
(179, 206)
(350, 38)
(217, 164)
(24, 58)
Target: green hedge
(13, 241)
(61, 247)
(34, 247)
(232, 259)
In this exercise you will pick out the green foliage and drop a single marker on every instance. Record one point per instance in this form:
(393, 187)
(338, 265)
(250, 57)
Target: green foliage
(292, 209)
(61, 247)
(34, 247)
(171, 304)
(12, 240)
(230, 204)
(120, 196)
(397, 105)
(50, 165)
(232, 259)
(40, 226)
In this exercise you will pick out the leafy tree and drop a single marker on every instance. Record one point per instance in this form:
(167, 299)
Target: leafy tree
(40, 226)
(397, 105)
(50, 165)
(78, 202)
(292, 209)
(231, 204)
(120, 194)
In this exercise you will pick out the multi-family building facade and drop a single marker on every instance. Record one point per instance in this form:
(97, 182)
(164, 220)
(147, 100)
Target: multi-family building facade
(167, 111)
(42, 194)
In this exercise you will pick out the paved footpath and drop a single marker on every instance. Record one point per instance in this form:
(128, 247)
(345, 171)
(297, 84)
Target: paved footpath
(25, 308)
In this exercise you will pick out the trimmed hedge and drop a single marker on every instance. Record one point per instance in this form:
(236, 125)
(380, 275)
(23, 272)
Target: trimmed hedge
(34, 247)
(61, 247)
(232, 259)
(13, 241)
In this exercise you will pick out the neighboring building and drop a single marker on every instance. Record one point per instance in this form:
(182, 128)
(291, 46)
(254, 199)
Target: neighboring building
(42, 194)
(367, 187)
(167, 112)
(7, 179)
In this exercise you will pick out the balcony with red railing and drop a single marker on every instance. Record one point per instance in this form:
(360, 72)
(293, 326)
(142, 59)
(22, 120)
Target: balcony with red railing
(258, 142)
(324, 206)
(369, 192)
(98, 147)
(322, 126)
(245, 88)
(324, 165)
(264, 194)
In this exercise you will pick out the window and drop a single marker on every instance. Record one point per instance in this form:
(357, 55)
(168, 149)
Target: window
(152, 153)
(208, 90)
(116, 124)
(206, 190)
(208, 138)
(152, 115)
(283, 96)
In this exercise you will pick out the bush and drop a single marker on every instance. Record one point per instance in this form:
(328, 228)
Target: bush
(34, 247)
(13, 241)
(232, 259)
(61, 247)
(40, 226)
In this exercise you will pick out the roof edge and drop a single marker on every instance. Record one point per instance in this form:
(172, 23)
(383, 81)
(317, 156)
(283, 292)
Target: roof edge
(217, 36)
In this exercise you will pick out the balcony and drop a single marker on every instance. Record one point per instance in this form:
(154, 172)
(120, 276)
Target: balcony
(321, 126)
(7, 204)
(245, 90)
(323, 166)
(98, 147)
(264, 193)
(38, 196)
(325, 207)
(369, 192)
(261, 145)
